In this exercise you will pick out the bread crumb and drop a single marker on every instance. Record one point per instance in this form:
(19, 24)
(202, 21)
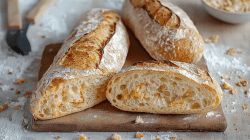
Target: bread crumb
(173, 138)
(58, 137)
(224, 77)
(227, 105)
(43, 36)
(158, 139)
(236, 129)
(239, 84)
(139, 135)
(3, 107)
(82, 137)
(243, 83)
(18, 92)
(27, 94)
(10, 73)
(213, 39)
(245, 106)
(247, 93)
(240, 52)
(234, 124)
(41, 25)
(229, 78)
(231, 51)
(139, 120)
(1, 83)
(18, 107)
(12, 89)
(233, 91)
(227, 86)
(20, 81)
(240, 76)
(116, 136)
(233, 107)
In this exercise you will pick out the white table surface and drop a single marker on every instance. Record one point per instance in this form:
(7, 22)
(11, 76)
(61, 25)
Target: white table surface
(55, 25)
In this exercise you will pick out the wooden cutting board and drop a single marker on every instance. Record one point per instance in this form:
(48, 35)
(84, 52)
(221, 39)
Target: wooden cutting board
(104, 117)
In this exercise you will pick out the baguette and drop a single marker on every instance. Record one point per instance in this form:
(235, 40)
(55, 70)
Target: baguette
(93, 52)
(164, 30)
(166, 87)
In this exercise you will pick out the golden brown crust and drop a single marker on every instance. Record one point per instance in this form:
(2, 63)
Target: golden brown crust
(161, 14)
(86, 52)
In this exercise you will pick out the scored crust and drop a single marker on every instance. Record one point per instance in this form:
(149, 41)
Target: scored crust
(166, 87)
(164, 30)
(94, 51)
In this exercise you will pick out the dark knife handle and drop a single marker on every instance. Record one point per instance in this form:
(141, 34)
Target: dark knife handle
(14, 15)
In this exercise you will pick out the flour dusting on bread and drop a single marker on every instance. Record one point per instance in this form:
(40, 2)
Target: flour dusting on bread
(164, 30)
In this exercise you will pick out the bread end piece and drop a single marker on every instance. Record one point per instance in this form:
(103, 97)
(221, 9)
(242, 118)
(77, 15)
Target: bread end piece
(164, 30)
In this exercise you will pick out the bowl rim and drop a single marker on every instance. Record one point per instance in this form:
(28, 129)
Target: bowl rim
(235, 13)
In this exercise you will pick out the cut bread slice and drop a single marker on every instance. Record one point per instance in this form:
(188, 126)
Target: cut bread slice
(165, 87)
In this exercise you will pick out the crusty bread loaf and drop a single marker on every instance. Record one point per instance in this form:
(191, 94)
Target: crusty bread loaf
(94, 51)
(166, 87)
(164, 30)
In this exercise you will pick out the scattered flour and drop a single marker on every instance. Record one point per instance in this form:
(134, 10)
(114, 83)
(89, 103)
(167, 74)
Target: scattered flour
(210, 114)
(5, 87)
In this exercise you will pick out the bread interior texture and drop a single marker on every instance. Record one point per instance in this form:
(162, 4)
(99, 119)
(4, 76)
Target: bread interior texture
(159, 92)
(68, 96)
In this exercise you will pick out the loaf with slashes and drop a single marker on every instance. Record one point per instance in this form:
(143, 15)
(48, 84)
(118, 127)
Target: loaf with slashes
(164, 30)
(93, 52)
(165, 87)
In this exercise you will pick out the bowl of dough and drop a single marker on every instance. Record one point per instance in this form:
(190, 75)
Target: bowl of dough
(231, 11)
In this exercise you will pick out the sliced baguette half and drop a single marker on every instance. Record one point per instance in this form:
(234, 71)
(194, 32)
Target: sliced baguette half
(166, 87)
(77, 79)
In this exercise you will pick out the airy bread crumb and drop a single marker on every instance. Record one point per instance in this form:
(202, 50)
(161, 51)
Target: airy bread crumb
(21, 81)
(227, 86)
(224, 77)
(245, 106)
(231, 51)
(82, 137)
(139, 120)
(12, 89)
(140, 135)
(173, 138)
(18, 92)
(240, 52)
(240, 76)
(10, 73)
(18, 107)
(58, 137)
(27, 94)
(213, 39)
(116, 136)
(233, 91)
